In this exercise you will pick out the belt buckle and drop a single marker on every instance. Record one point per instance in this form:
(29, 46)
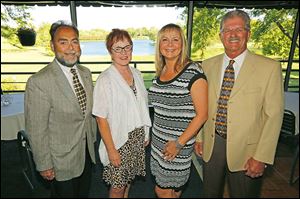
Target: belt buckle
(223, 135)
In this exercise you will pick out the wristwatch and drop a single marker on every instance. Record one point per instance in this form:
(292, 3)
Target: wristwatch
(178, 146)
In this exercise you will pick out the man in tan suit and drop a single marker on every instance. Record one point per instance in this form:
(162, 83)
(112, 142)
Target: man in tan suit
(58, 116)
(244, 121)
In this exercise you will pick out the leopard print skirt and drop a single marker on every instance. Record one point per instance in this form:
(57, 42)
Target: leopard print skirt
(132, 161)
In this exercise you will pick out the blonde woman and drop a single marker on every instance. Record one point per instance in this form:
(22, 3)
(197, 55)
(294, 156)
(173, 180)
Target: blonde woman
(179, 98)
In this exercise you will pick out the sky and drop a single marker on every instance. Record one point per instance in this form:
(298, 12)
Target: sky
(110, 17)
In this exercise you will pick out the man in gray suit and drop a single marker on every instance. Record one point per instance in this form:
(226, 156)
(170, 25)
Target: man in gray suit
(58, 121)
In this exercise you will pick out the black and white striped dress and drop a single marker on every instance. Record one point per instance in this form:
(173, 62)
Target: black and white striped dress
(173, 111)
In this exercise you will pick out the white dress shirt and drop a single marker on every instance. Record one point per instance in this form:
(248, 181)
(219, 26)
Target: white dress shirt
(69, 75)
(238, 62)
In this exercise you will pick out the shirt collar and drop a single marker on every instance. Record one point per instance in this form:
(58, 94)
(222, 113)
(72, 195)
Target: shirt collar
(65, 68)
(238, 60)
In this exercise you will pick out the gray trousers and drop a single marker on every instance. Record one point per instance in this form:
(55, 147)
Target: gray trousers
(216, 171)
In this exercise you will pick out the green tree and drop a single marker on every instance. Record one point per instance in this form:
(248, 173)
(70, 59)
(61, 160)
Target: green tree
(7, 84)
(273, 31)
(43, 38)
(132, 32)
(205, 28)
(94, 34)
(13, 18)
(152, 33)
(143, 33)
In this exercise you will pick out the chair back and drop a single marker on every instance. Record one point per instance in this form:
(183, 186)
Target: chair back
(39, 187)
(28, 166)
(288, 124)
(288, 136)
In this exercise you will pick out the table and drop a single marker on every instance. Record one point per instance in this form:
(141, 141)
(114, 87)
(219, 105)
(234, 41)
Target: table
(292, 104)
(12, 117)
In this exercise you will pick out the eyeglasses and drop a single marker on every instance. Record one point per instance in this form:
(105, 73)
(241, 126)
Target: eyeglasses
(236, 30)
(119, 49)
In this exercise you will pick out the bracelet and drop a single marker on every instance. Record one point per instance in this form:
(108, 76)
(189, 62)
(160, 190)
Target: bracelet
(178, 146)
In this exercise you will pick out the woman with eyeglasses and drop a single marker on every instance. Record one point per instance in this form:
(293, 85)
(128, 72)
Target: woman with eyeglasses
(121, 110)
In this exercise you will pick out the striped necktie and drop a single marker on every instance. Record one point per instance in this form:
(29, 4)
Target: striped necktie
(79, 91)
(227, 85)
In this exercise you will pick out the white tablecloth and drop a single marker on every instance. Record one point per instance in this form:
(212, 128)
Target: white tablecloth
(12, 117)
(292, 104)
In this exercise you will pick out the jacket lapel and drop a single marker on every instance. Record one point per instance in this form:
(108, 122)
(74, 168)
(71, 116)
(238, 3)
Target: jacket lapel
(217, 74)
(63, 84)
(245, 73)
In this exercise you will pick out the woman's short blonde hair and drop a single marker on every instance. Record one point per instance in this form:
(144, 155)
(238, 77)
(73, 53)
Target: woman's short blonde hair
(159, 58)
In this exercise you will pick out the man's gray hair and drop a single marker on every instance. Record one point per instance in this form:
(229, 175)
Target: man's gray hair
(236, 13)
(59, 24)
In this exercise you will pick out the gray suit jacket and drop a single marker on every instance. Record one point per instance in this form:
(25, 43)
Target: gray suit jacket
(57, 130)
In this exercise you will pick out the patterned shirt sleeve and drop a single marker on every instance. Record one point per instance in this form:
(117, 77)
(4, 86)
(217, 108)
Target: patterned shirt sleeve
(198, 73)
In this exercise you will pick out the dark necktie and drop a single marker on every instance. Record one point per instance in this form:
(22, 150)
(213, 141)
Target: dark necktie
(79, 91)
(227, 85)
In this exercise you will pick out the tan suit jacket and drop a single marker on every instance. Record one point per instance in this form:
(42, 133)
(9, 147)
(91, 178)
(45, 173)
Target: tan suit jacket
(255, 110)
(58, 131)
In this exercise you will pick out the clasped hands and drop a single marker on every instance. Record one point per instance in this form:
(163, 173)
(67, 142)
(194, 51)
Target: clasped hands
(170, 151)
